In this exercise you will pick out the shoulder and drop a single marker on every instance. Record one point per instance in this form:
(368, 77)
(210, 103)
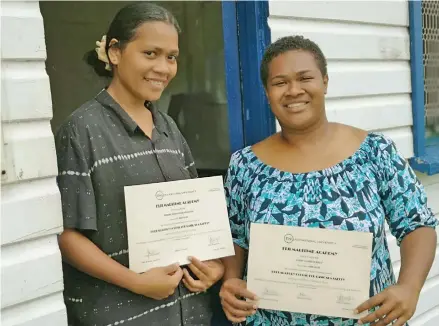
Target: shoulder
(76, 124)
(382, 146)
(242, 157)
(375, 143)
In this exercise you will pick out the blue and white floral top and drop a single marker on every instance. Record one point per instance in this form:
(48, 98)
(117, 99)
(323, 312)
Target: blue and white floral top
(361, 192)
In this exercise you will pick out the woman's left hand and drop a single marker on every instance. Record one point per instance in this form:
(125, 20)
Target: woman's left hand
(208, 272)
(395, 304)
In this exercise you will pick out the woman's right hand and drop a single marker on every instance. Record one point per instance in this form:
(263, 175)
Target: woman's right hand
(233, 295)
(158, 283)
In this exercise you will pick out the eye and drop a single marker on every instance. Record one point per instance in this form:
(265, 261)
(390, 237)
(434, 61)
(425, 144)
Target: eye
(150, 54)
(306, 78)
(279, 83)
(172, 57)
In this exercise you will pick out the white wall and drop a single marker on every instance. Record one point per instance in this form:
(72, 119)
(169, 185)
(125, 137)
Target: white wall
(31, 272)
(368, 51)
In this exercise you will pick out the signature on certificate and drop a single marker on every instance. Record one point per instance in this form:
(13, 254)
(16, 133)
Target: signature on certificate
(213, 241)
(151, 253)
(344, 299)
(270, 292)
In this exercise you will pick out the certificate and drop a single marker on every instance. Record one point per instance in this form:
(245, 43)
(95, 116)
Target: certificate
(170, 221)
(309, 270)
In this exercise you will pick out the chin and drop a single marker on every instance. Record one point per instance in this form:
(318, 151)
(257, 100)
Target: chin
(152, 96)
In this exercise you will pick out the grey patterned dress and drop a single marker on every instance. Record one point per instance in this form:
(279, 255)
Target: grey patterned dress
(100, 150)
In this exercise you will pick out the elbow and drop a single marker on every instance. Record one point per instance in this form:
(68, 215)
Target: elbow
(425, 235)
(66, 240)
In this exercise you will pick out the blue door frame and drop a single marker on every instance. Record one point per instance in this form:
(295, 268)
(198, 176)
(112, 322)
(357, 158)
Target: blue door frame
(246, 34)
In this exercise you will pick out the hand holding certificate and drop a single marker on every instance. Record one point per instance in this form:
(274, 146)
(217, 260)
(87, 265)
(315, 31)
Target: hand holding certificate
(309, 270)
(168, 222)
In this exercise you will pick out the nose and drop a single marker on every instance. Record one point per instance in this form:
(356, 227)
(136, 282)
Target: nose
(161, 66)
(294, 89)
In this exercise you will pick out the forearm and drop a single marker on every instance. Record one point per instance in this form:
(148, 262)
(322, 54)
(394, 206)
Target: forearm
(417, 255)
(234, 265)
(85, 256)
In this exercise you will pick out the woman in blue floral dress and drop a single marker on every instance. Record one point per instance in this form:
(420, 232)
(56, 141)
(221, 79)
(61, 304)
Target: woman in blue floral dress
(318, 174)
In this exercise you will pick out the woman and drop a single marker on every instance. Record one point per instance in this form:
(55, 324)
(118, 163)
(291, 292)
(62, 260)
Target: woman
(117, 139)
(327, 175)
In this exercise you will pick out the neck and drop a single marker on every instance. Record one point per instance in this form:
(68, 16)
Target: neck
(312, 135)
(124, 98)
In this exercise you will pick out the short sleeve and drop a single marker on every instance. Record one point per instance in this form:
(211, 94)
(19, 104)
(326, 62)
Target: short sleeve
(235, 200)
(74, 182)
(402, 195)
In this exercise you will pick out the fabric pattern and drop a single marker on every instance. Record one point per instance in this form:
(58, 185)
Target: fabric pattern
(100, 150)
(361, 193)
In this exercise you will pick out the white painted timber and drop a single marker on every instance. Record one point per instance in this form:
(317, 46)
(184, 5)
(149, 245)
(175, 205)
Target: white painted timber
(31, 272)
(368, 52)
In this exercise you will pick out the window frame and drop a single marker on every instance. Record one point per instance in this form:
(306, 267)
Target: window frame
(426, 159)
(246, 35)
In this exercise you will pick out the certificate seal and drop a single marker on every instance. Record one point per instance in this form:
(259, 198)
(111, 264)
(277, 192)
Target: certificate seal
(159, 195)
(288, 238)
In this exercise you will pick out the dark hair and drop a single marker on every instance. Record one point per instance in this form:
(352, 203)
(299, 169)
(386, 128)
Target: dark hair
(123, 28)
(289, 43)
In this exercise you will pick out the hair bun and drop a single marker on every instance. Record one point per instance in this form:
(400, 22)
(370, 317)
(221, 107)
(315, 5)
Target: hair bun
(91, 58)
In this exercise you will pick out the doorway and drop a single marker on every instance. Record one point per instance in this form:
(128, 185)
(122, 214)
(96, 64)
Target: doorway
(196, 99)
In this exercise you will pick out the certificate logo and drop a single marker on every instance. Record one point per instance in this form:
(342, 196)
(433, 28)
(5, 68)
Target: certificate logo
(159, 195)
(288, 238)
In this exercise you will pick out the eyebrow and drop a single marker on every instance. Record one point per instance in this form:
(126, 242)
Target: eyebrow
(285, 76)
(159, 49)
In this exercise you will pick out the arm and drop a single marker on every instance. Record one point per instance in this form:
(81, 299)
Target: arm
(85, 256)
(79, 214)
(234, 265)
(412, 223)
(417, 255)
(234, 289)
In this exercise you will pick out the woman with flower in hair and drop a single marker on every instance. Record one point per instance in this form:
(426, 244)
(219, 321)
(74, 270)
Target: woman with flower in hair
(115, 140)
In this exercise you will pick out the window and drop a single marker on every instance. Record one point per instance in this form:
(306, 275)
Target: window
(430, 38)
(424, 48)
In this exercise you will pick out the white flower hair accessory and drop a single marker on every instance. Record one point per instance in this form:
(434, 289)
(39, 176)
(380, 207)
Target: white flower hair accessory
(102, 55)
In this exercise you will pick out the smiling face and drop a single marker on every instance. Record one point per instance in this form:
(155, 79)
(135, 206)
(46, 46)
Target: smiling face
(147, 63)
(296, 89)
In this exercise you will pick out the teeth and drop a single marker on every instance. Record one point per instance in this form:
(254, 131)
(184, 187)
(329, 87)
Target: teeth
(295, 105)
(156, 83)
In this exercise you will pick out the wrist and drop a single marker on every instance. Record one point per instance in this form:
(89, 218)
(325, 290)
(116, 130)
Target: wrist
(413, 287)
(131, 281)
(229, 276)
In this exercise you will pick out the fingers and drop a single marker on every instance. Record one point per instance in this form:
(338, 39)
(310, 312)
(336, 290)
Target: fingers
(200, 269)
(237, 303)
(177, 276)
(237, 312)
(400, 322)
(191, 284)
(244, 293)
(170, 269)
(378, 314)
(232, 318)
(372, 302)
(389, 318)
